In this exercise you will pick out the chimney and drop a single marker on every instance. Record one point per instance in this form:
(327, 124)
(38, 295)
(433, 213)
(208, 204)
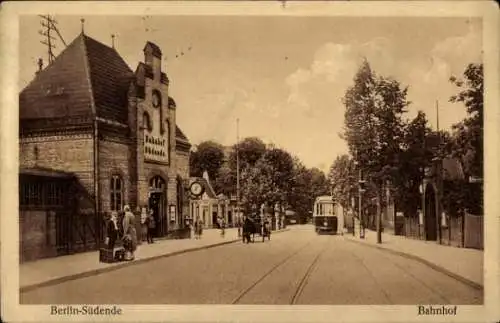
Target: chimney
(40, 66)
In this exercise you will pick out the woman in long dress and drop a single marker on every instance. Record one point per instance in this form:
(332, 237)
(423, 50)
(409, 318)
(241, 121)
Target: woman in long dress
(144, 224)
(129, 234)
(112, 231)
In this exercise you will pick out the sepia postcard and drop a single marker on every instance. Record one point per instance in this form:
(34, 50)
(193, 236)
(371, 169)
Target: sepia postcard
(264, 161)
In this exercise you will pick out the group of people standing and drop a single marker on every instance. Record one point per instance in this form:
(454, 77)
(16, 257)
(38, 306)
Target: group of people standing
(128, 233)
(198, 228)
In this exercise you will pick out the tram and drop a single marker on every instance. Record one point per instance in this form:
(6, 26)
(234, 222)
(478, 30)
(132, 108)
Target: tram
(325, 219)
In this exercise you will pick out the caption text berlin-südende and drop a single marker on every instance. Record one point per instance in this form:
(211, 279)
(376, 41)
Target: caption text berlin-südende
(85, 310)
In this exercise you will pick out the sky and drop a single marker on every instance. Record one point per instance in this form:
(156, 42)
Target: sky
(283, 77)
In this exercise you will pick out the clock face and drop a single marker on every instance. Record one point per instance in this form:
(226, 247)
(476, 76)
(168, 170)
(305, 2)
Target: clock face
(196, 189)
(156, 99)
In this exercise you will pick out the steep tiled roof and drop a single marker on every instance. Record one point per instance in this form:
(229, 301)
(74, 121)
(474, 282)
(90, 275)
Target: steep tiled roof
(61, 89)
(110, 77)
(155, 49)
(179, 134)
(86, 73)
(452, 169)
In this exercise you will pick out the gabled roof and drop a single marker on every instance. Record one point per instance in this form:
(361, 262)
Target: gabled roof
(452, 169)
(85, 75)
(155, 50)
(179, 134)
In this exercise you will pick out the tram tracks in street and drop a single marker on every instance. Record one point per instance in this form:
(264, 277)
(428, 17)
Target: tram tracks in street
(403, 269)
(307, 274)
(302, 283)
(407, 271)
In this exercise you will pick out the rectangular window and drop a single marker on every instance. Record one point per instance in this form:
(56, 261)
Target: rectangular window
(118, 201)
(116, 193)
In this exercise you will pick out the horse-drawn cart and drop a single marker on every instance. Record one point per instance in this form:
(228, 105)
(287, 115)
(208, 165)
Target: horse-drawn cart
(253, 226)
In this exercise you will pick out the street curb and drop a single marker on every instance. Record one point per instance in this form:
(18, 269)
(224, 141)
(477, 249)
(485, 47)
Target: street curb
(425, 262)
(95, 272)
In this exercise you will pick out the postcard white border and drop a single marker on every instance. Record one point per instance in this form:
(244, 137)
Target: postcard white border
(10, 12)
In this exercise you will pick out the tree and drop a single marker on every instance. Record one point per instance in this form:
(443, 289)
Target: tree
(226, 180)
(467, 137)
(209, 157)
(281, 165)
(300, 197)
(469, 132)
(250, 150)
(257, 187)
(343, 179)
(418, 149)
(359, 129)
(319, 183)
(373, 127)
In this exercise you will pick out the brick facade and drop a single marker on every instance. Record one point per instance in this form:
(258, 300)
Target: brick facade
(70, 153)
(114, 159)
(129, 131)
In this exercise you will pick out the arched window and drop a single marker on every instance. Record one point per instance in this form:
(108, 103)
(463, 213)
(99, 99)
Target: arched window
(116, 192)
(157, 182)
(146, 121)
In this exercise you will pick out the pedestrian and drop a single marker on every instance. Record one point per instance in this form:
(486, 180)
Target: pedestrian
(112, 231)
(222, 228)
(200, 229)
(196, 225)
(129, 234)
(247, 229)
(151, 226)
(144, 224)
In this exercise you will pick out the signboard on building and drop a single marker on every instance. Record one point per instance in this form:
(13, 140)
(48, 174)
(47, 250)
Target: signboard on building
(172, 212)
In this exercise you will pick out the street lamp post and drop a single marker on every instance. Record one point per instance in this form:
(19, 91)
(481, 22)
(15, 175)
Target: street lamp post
(379, 217)
(361, 190)
(238, 177)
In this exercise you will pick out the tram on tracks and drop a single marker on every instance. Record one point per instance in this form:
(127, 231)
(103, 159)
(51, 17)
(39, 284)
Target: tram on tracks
(327, 216)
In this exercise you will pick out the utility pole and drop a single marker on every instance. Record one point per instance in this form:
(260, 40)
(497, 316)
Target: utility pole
(361, 189)
(238, 175)
(379, 217)
(360, 206)
(50, 25)
(439, 177)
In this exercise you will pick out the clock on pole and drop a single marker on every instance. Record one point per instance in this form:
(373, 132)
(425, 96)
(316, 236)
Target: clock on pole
(196, 189)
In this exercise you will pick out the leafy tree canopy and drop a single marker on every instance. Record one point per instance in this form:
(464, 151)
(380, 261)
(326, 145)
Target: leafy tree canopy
(209, 157)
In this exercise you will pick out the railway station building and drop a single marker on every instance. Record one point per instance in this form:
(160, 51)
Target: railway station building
(96, 136)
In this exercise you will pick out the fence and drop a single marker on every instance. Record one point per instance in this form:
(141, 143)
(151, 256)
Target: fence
(451, 232)
(55, 232)
(473, 231)
(462, 231)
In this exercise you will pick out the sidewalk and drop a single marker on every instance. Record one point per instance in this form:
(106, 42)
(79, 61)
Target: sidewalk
(51, 271)
(463, 264)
